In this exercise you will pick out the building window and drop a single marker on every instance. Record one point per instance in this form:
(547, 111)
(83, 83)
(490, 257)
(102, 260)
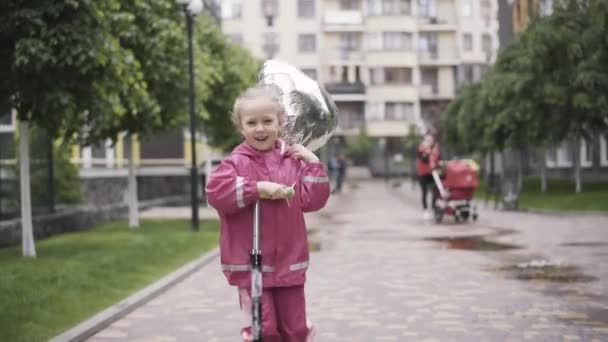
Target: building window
(467, 8)
(486, 11)
(391, 75)
(397, 40)
(427, 43)
(427, 8)
(232, 9)
(586, 153)
(236, 38)
(604, 150)
(349, 41)
(350, 4)
(551, 157)
(306, 8)
(310, 72)
(374, 41)
(270, 10)
(307, 42)
(486, 45)
(7, 121)
(389, 41)
(564, 155)
(389, 7)
(399, 111)
(396, 7)
(271, 44)
(468, 73)
(430, 77)
(374, 111)
(467, 42)
(546, 7)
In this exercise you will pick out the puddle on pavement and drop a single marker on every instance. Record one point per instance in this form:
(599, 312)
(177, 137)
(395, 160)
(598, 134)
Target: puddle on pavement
(472, 243)
(592, 317)
(585, 244)
(547, 273)
(583, 308)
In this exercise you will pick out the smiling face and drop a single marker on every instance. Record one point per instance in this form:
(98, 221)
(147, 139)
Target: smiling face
(260, 124)
(428, 140)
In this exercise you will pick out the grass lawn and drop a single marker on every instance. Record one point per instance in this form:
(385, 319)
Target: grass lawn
(560, 195)
(76, 275)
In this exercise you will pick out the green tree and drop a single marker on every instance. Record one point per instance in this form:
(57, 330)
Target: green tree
(358, 151)
(548, 85)
(68, 189)
(225, 70)
(72, 68)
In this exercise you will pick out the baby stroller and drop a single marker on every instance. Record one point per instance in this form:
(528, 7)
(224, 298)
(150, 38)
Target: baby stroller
(455, 189)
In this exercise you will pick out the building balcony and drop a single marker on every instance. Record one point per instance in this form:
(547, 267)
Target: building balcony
(396, 58)
(435, 24)
(393, 92)
(445, 57)
(339, 55)
(343, 21)
(345, 87)
(387, 128)
(350, 126)
(432, 92)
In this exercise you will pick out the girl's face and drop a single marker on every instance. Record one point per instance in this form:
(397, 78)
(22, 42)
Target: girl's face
(428, 140)
(260, 124)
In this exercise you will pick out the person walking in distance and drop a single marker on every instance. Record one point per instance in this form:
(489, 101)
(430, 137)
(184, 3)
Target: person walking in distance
(338, 166)
(427, 159)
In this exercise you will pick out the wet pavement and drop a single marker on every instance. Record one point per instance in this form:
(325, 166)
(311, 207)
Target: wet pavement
(379, 272)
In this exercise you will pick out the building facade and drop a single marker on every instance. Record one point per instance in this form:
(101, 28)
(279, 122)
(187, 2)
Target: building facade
(389, 64)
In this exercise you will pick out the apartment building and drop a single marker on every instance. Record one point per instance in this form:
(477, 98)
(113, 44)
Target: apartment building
(389, 64)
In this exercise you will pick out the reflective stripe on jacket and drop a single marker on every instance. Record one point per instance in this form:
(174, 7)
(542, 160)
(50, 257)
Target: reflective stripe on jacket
(232, 191)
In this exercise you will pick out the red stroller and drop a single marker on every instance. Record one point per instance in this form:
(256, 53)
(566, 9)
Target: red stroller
(455, 191)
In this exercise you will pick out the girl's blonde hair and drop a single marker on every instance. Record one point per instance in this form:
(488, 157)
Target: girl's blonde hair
(258, 92)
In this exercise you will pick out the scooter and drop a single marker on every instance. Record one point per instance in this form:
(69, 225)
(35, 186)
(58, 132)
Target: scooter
(256, 277)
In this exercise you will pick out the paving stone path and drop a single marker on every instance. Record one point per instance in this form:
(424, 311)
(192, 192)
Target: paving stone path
(380, 272)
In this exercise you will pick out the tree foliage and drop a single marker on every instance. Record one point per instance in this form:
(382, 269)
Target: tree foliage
(226, 70)
(93, 69)
(549, 84)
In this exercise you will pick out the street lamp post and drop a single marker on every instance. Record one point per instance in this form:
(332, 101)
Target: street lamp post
(192, 8)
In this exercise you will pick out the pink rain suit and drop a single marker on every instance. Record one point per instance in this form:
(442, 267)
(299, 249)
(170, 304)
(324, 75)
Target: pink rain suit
(232, 191)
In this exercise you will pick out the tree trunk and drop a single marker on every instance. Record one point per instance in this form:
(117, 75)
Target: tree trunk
(132, 188)
(27, 231)
(576, 162)
(51, 173)
(542, 165)
(511, 180)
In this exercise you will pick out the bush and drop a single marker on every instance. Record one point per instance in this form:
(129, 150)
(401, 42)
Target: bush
(359, 150)
(67, 184)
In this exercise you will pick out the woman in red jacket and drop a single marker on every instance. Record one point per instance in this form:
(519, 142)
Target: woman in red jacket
(427, 159)
(263, 167)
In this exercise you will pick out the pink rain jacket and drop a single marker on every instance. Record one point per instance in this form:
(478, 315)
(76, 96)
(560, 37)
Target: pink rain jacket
(232, 191)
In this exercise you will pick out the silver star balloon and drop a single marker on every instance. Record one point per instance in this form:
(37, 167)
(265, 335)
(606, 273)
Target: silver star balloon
(312, 115)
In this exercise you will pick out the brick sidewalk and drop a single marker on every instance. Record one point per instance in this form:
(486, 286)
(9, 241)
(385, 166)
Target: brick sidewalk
(379, 276)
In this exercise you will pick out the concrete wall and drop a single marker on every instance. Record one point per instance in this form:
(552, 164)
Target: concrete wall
(106, 201)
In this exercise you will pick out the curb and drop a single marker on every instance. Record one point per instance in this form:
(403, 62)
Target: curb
(590, 213)
(103, 319)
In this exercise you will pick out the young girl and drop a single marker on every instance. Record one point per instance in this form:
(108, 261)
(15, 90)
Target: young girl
(264, 168)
